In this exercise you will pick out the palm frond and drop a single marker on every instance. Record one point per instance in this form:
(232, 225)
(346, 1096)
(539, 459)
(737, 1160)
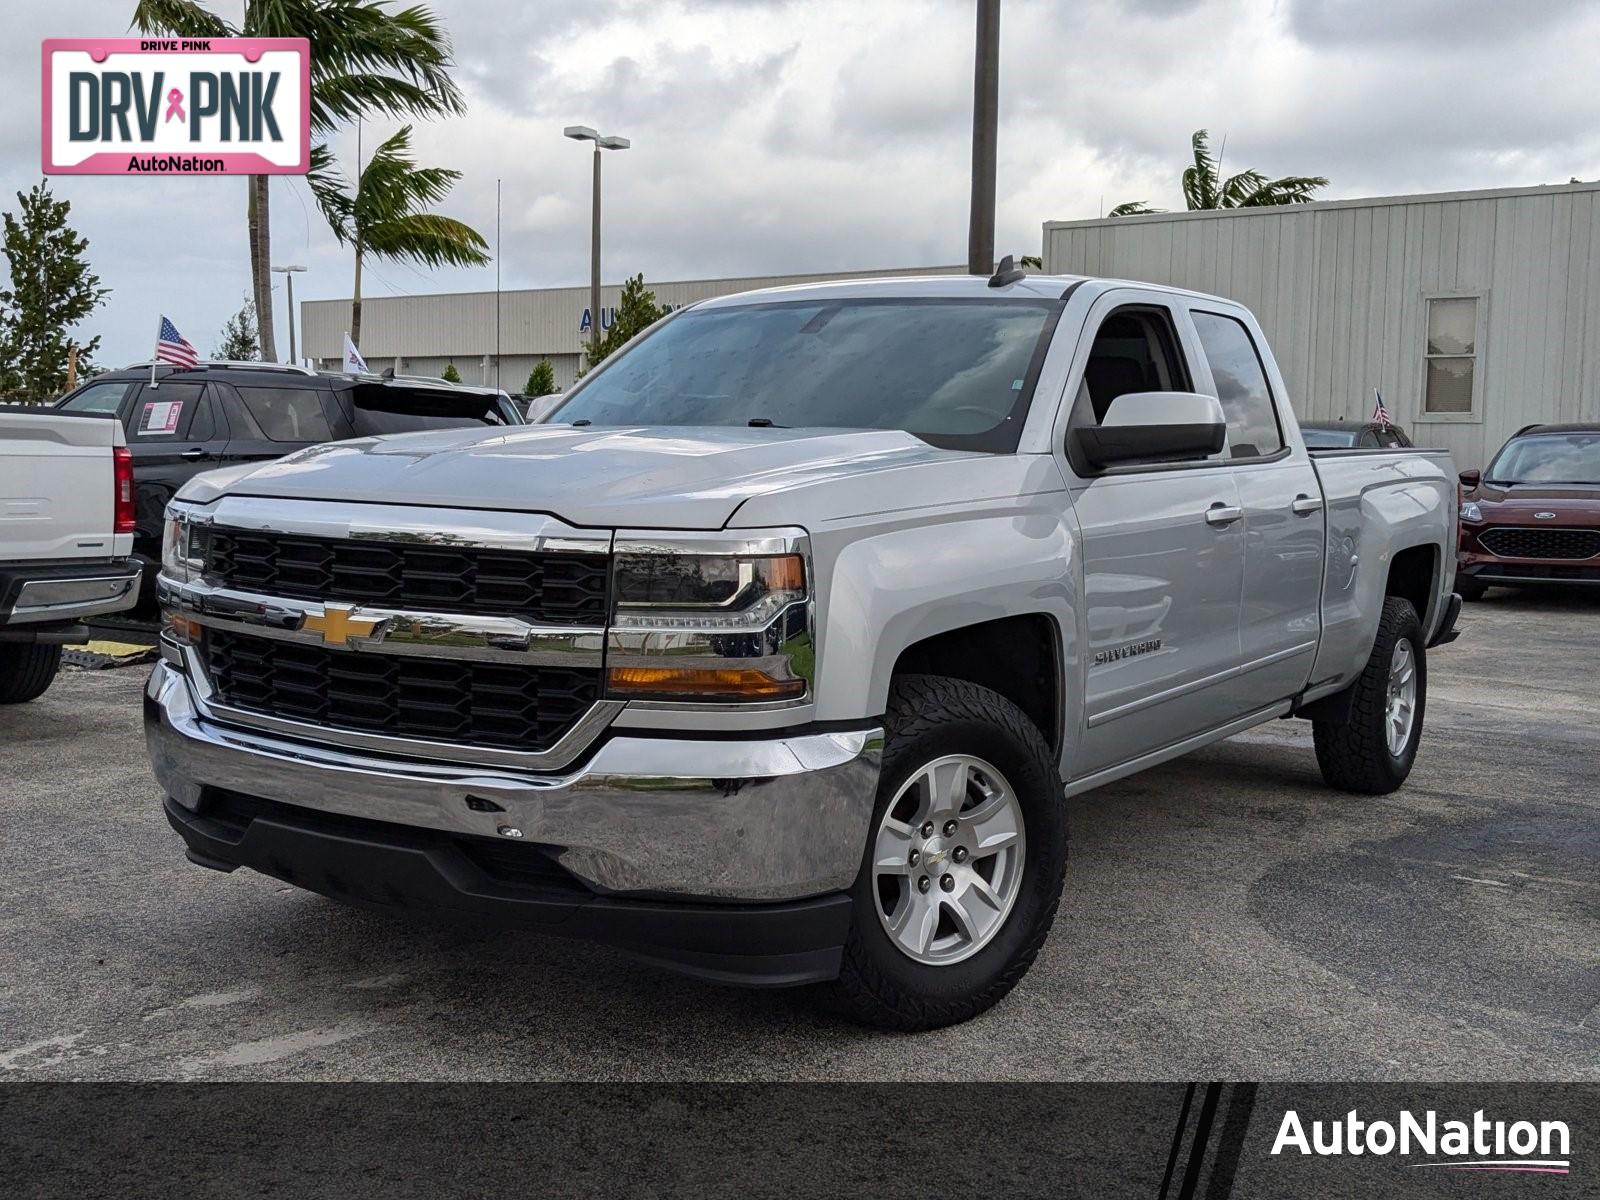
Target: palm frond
(181, 18)
(1200, 180)
(427, 238)
(1133, 208)
(329, 189)
(1291, 189)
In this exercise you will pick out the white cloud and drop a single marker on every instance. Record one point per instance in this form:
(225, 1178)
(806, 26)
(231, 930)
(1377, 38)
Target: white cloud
(830, 134)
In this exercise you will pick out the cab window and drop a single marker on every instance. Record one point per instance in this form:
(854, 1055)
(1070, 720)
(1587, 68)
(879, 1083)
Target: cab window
(163, 413)
(98, 398)
(1134, 350)
(287, 414)
(1241, 382)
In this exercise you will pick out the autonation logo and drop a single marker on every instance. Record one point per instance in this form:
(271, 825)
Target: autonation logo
(1476, 1145)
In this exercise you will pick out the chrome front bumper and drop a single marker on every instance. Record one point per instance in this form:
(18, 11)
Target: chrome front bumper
(749, 820)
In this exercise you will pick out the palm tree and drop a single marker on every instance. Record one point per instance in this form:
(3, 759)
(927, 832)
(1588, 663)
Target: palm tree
(386, 217)
(365, 58)
(1204, 186)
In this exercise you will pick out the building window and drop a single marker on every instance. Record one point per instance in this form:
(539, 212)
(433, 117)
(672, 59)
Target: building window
(1452, 352)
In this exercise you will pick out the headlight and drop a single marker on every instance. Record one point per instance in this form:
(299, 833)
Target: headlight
(1470, 511)
(711, 620)
(183, 558)
(183, 546)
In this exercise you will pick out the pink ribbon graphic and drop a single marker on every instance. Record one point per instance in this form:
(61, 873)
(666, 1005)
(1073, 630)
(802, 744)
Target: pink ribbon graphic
(175, 105)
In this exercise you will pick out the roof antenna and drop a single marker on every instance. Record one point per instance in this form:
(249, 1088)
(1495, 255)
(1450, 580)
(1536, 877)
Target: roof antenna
(1008, 273)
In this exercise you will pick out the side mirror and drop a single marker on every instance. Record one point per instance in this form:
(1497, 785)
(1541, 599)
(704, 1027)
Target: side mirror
(1471, 477)
(1154, 427)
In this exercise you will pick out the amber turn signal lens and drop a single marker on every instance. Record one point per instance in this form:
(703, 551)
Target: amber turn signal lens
(181, 629)
(785, 573)
(733, 683)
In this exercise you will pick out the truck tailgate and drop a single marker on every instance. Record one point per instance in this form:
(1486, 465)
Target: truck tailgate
(56, 480)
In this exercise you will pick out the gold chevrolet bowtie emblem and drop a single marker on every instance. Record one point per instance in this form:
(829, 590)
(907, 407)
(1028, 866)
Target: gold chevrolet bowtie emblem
(338, 624)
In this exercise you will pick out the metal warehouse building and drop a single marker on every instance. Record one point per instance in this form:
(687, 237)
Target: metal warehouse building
(418, 335)
(1475, 313)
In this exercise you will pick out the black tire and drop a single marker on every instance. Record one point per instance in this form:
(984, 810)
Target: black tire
(1470, 588)
(26, 670)
(1354, 755)
(929, 717)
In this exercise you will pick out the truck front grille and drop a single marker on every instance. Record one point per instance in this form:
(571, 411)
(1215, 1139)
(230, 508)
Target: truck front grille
(543, 587)
(445, 700)
(1513, 542)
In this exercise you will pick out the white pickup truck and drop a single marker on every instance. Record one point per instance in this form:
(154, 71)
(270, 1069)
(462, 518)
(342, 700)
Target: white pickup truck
(778, 651)
(66, 534)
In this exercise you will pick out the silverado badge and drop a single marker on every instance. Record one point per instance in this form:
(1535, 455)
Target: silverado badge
(1132, 650)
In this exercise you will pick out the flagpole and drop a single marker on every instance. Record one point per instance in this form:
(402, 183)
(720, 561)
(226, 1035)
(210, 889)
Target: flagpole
(157, 352)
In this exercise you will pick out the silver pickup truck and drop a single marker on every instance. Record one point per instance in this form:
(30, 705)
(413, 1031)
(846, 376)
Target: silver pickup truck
(776, 654)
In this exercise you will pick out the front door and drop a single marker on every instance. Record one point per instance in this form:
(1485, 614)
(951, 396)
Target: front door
(1163, 556)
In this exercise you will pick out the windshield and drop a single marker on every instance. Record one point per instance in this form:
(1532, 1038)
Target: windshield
(1548, 458)
(954, 372)
(1328, 439)
(380, 409)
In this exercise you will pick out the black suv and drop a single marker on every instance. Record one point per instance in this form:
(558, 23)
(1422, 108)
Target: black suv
(222, 414)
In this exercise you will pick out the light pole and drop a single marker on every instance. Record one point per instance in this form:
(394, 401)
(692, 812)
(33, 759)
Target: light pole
(288, 274)
(582, 133)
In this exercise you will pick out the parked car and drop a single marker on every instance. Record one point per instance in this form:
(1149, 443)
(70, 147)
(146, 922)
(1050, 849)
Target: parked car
(1346, 435)
(775, 653)
(66, 535)
(222, 414)
(1533, 517)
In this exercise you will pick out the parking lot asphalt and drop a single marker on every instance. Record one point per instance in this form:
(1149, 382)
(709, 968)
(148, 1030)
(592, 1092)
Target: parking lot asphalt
(1226, 916)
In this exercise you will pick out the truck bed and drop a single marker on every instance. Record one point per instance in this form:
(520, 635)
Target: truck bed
(56, 479)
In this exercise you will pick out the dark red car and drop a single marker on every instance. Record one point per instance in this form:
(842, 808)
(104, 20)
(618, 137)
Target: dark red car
(1533, 516)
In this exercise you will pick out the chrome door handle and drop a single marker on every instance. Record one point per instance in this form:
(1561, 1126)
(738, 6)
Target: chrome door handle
(193, 455)
(1223, 514)
(1304, 506)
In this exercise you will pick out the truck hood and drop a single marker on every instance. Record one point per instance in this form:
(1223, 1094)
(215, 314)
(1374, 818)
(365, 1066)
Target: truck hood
(647, 477)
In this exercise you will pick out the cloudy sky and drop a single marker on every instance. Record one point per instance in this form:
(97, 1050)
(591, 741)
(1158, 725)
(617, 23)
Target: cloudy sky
(813, 135)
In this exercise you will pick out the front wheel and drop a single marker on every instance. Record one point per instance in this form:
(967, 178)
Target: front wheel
(964, 863)
(1372, 752)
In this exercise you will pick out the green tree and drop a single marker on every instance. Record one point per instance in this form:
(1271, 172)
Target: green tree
(366, 58)
(450, 374)
(386, 217)
(50, 289)
(238, 340)
(1204, 186)
(636, 312)
(541, 380)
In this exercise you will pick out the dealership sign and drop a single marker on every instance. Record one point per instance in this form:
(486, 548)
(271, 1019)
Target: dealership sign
(177, 106)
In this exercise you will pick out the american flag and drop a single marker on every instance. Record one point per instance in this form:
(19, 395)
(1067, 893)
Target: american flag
(1380, 414)
(171, 348)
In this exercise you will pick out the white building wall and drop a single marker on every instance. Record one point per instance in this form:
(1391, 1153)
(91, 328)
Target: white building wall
(1341, 289)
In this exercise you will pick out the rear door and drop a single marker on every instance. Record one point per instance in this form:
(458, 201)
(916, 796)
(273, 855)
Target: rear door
(1163, 551)
(174, 433)
(1283, 519)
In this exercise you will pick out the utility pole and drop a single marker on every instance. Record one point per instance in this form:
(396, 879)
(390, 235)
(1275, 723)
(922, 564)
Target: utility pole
(985, 138)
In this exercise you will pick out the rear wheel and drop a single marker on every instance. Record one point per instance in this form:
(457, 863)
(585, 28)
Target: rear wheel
(26, 670)
(964, 861)
(1373, 751)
